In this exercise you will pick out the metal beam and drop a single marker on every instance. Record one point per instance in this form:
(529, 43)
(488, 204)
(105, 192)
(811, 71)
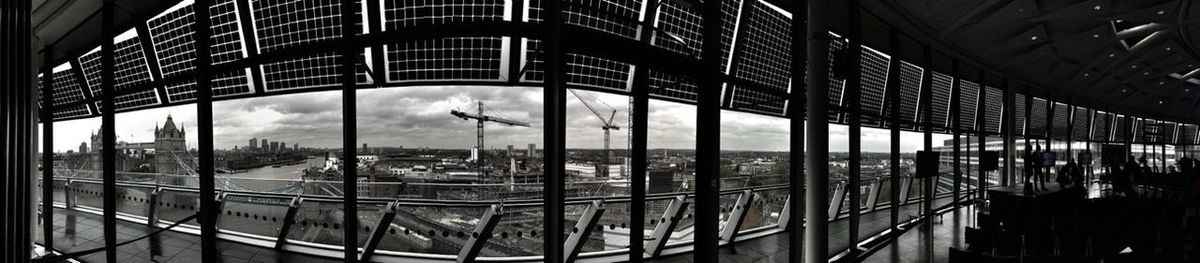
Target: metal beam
(1008, 124)
(737, 216)
(246, 26)
(554, 99)
(956, 112)
(853, 90)
(47, 114)
(794, 209)
(893, 86)
(479, 237)
(708, 137)
(927, 109)
(201, 38)
(666, 226)
(108, 131)
(583, 228)
(289, 219)
(381, 227)
(349, 134)
(981, 133)
(151, 58)
(816, 242)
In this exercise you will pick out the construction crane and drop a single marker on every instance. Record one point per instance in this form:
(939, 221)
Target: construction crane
(608, 124)
(481, 118)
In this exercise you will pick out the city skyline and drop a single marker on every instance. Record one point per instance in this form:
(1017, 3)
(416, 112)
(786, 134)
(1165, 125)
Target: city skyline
(418, 117)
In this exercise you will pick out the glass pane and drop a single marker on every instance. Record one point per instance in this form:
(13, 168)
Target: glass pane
(423, 144)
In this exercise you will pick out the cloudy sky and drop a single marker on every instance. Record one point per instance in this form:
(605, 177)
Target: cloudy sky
(420, 117)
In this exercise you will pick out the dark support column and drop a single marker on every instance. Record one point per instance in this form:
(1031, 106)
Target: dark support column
(956, 112)
(554, 134)
(1091, 115)
(1028, 148)
(47, 116)
(853, 90)
(17, 128)
(795, 111)
(708, 137)
(350, 133)
(1009, 126)
(204, 116)
(640, 99)
(108, 133)
(893, 102)
(816, 243)
(927, 112)
(1070, 131)
(981, 131)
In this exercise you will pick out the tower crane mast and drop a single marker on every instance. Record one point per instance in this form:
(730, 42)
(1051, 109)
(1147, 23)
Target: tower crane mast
(608, 124)
(480, 118)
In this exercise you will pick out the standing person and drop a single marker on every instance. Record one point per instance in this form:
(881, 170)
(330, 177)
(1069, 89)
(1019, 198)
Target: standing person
(1076, 174)
(1064, 174)
(1028, 171)
(1123, 182)
(1039, 177)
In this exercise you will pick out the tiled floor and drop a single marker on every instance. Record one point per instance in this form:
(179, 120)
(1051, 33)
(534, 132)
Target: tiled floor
(774, 248)
(77, 231)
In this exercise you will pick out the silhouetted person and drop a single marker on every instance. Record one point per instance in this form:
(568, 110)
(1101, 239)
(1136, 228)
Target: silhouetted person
(1063, 177)
(1029, 166)
(1076, 174)
(1039, 177)
(1123, 181)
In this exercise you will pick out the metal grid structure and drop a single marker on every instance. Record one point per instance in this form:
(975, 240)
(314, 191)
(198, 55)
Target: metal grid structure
(1119, 130)
(968, 104)
(1058, 125)
(909, 94)
(679, 28)
(1168, 132)
(453, 58)
(170, 33)
(1037, 118)
(941, 88)
(1019, 102)
(1187, 134)
(1101, 126)
(1079, 124)
(67, 89)
(995, 110)
(762, 58)
(286, 24)
(874, 86)
(131, 71)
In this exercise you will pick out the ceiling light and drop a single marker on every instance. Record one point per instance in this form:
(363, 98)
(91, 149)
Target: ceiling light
(1187, 90)
(1095, 35)
(1162, 82)
(1133, 66)
(1112, 55)
(1087, 74)
(1168, 48)
(1124, 90)
(1145, 73)
(1162, 12)
(1097, 7)
(1160, 102)
(1034, 38)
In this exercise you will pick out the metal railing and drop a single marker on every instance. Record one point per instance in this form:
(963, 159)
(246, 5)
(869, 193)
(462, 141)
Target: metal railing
(417, 228)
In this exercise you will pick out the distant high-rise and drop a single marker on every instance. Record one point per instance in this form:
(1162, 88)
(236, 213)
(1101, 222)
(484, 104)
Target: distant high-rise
(295, 147)
(364, 150)
(282, 146)
(253, 143)
(274, 146)
(531, 149)
(510, 150)
(83, 147)
(265, 146)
